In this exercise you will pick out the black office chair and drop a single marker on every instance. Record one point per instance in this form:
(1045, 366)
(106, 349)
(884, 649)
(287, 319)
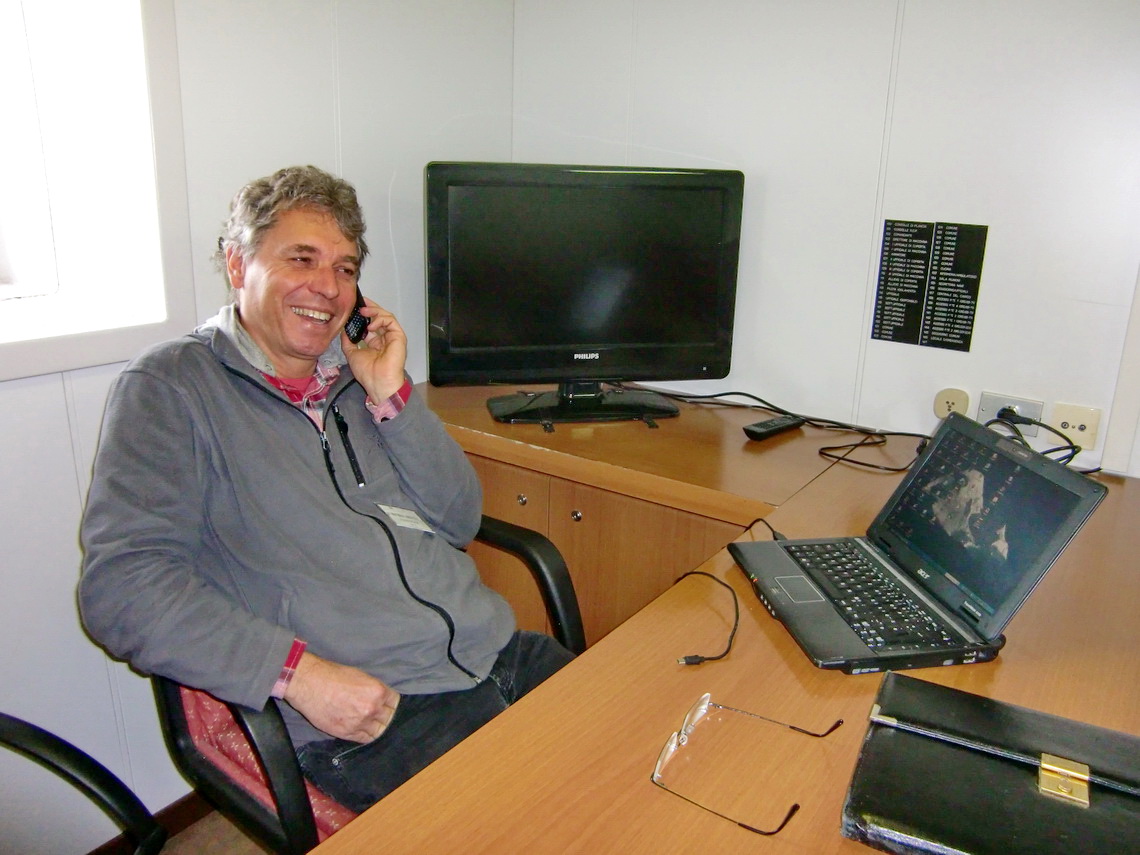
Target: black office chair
(89, 776)
(265, 794)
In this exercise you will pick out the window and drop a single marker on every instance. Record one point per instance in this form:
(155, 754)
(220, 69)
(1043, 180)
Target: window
(92, 266)
(27, 256)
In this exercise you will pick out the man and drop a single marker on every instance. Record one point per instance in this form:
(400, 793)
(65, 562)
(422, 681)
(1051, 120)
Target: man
(275, 513)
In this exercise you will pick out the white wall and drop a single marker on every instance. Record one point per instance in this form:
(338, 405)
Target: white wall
(794, 95)
(1035, 131)
(370, 90)
(47, 664)
(1024, 116)
(339, 84)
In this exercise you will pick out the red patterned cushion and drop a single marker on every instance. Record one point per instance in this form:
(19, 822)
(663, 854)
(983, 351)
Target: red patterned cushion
(220, 739)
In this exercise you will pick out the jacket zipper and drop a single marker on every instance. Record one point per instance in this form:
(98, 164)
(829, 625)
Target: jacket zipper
(326, 448)
(342, 426)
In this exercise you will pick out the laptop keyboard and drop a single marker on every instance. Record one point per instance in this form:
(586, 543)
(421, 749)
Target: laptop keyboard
(885, 616)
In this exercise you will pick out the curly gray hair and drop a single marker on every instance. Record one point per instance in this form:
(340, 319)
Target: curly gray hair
(257, 206)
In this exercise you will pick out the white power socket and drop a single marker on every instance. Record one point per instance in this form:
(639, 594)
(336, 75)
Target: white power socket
(951, 401)
(1080, 424)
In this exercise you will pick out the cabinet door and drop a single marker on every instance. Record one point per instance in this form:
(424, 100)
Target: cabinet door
(519, 496)
(624, 552)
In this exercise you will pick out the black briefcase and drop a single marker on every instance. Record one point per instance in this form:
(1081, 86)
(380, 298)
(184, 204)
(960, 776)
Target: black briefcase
(945, 771)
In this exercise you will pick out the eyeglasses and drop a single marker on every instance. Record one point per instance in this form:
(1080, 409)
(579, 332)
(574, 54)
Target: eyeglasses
(680, 738)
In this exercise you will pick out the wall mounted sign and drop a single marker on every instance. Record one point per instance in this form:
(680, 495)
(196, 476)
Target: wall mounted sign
(929, 275)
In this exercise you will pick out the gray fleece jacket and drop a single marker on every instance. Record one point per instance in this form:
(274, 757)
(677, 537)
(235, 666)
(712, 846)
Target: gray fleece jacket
(221, 522)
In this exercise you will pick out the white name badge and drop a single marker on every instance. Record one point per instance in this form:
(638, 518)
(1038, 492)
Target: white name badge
(405, 518)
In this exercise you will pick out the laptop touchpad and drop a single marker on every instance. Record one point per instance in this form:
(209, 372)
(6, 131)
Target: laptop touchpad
(799, 589)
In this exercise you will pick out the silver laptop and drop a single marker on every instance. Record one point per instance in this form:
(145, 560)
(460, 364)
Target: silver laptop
(959, 546)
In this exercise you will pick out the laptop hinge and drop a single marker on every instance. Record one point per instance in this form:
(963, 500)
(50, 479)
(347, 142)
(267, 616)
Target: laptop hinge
(1064, 779)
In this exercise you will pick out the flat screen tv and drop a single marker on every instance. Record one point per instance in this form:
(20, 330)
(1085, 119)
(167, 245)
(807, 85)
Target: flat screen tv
(584, 276)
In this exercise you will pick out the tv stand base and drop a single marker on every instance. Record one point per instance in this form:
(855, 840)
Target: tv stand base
(573, 403)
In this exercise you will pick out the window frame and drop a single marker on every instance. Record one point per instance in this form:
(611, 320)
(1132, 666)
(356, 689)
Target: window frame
(56, 354)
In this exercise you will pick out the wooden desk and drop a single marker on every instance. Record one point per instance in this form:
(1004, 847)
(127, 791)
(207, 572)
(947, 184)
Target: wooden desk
(567, 769)
(629, 506)
(700, 462)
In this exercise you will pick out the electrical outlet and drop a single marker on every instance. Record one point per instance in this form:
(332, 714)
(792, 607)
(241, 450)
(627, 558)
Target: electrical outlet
(1080, 424)
(951, 401)
(991, 403)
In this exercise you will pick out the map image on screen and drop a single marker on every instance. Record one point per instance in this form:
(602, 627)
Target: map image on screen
(960, 507)
(961, 519)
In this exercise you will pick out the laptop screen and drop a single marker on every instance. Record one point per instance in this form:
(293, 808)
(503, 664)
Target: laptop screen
(980, 520)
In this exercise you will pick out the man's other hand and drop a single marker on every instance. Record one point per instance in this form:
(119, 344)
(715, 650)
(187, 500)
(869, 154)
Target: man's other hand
(341, 700)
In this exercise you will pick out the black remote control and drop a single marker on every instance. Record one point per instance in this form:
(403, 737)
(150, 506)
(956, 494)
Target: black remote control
(771, 427)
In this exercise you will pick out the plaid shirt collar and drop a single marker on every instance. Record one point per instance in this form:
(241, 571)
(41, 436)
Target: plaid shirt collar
(310, 398)
(228, 322)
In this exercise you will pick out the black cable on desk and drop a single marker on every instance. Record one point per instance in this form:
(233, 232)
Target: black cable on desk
(833, 452)
(840, 453)
(775, 534)
(697, 659)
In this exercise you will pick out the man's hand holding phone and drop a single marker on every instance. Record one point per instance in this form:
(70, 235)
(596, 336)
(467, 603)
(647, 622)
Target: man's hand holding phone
(378, 358)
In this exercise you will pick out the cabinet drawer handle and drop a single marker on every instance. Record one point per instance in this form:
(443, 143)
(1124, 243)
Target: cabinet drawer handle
(522, 499)
(576, 516)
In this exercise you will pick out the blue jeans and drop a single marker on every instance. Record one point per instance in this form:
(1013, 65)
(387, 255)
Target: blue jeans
(425, 726)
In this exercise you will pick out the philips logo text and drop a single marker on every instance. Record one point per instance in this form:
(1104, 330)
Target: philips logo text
(587, 355)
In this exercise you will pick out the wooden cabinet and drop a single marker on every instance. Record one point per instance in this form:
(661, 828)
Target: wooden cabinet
(622, 552)
(522, 497)
(630, 507)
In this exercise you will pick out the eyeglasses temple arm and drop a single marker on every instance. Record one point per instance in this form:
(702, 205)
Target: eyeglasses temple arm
(787, 817)
(827, 732)
(791, 812)
(802, 730)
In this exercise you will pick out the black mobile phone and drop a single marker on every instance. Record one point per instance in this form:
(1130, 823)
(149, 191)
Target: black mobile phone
(357, 324)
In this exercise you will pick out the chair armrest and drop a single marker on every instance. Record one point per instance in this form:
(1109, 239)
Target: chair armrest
(292, 829)
(265, 729)
(87, 775)
(549, 569)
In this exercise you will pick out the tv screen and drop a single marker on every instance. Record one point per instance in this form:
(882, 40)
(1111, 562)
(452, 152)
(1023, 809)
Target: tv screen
(581, 276)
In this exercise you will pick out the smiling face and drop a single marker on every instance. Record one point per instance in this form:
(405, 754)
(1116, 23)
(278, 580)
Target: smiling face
(296, 291)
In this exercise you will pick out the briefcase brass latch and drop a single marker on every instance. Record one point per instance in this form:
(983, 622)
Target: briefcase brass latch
(1064, 779)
